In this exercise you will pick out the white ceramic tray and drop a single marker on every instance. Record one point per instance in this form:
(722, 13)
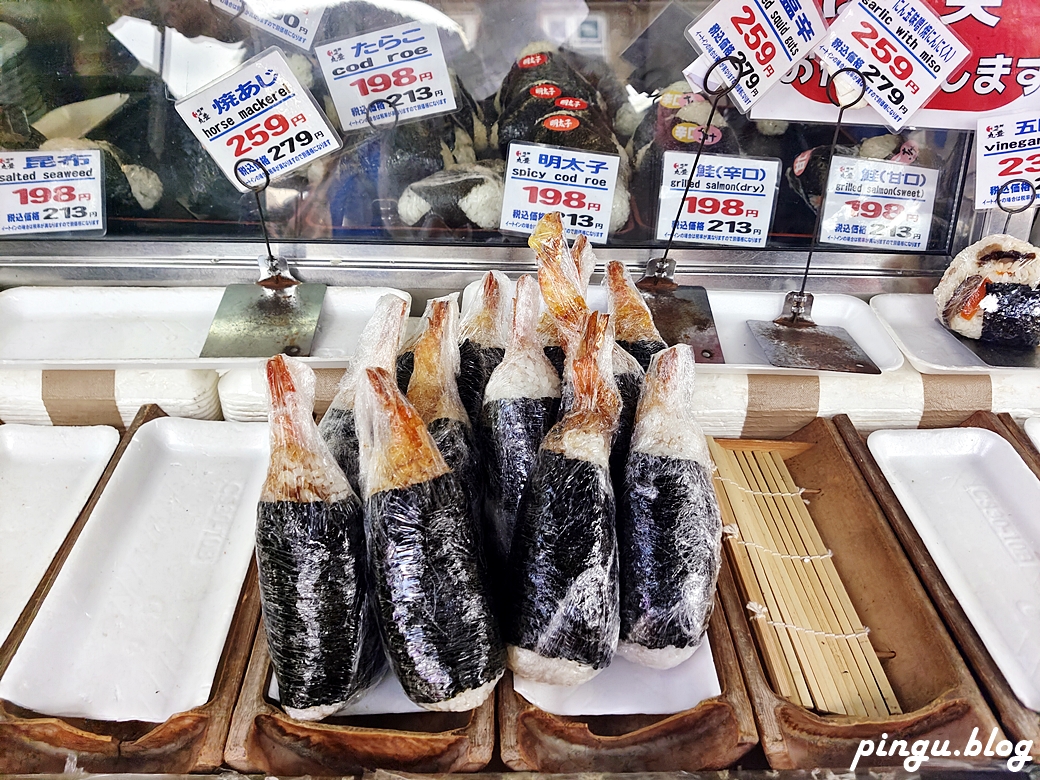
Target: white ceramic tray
(134, 626)
(625, 688)
(46, 476)
(931, 349)
(976, 506)
(386, 698)
(1033, 431)
(733, 308)
(151, 327)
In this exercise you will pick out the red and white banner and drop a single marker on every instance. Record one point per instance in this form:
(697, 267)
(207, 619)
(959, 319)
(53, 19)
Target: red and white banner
(1002, 73)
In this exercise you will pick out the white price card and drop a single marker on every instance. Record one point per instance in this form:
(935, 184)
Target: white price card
(874, 203)
(901, 47)
(51, 192)
(387, 76)
(1006, 148)
(261, 112)
(540, 179)
(731, 199)
(297, 27)
(767, 36)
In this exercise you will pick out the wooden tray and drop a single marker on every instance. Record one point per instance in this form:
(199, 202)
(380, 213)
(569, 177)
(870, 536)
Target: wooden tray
(1019, 722)
(930, 679)
(264, 739)
(713, 735)
(190, 741)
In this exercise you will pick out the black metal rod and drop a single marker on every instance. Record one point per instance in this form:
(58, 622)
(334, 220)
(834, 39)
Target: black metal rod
(256, 190)
(716, 95)
(814, 241)
(1009, 211)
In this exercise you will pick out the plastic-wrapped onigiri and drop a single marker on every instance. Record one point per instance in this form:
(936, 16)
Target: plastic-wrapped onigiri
(990, 293)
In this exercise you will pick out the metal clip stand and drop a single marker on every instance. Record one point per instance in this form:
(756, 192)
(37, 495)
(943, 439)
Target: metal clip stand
(793, 340)
(683, 314)
(1001, 356)
(277, 313)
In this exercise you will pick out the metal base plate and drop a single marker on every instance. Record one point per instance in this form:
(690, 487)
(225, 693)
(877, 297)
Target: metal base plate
(812, 347)
(683, 316)
(252, 321)
(999, 356)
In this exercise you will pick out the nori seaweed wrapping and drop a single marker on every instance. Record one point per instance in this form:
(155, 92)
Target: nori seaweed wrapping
(642, 350)
(434, 613)
(1015, 320)
(520, 406)
(311, 558)
(377, 347)
(668, 524)
(564, 620)
(629, 385)
(482, 340)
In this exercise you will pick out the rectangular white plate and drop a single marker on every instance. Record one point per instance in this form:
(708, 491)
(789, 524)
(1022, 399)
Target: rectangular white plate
(931, 349)
(135, 624)
(733, 308)
(152, 327)
(46, 476)
(976, 506)
(1033, 431)
(387, 697)
(625, 688)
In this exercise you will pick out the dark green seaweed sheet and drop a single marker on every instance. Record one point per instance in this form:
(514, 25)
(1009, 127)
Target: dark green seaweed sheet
(564, 564)
(434, 613)
(319, 618)
(669, 531)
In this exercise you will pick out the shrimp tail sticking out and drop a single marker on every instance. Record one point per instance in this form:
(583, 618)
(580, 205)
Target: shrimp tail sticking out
(559, 280)
(520, 405)
(669, 527)
(434, 614)
(483, 335)
(310, 552)
(564, 618)
(377, 348)
(634, 326)
(433, 391)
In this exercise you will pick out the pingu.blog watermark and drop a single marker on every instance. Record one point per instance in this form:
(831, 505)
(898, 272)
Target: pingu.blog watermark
(919, 751)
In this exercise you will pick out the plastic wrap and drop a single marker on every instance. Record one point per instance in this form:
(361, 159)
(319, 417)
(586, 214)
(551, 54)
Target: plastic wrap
(483, 335)
(989, 292)
(434, 613)
(520, 405)
(634, 327)
(310, 552)
(564, 617)
(377, 348)
(668, 524)
(433, 391)
(559, 280)
(629, 377)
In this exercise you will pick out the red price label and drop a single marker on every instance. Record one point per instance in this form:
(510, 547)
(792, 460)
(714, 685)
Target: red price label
(257, 136)
(550, 196)
(381, 82)
(871, 209)
(731, 207)
(755, 37)
(40, 195)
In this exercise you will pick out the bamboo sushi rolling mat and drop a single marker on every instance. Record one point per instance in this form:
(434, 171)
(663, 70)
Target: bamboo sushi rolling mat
(814, 646)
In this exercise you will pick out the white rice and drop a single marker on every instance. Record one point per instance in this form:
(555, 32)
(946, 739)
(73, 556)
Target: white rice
(655, 658)
(553, 671)
(467, 700)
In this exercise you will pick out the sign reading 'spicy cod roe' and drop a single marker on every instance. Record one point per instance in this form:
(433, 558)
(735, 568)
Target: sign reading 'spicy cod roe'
(731, 199)
(1006, 148)
(540, 179)
(387, 76)
(51, 192)
(259, 111)
(901, 47)
(297, 27)
(878, 204)
(767, 36)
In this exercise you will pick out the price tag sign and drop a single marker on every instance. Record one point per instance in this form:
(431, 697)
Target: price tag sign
(540, 179)
(767, 36)
(388, 75)
(51, 192)
(298, 27)
(901, 47)
(259, 111)
(731, 199)
(1006, 148)
(874, 203)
